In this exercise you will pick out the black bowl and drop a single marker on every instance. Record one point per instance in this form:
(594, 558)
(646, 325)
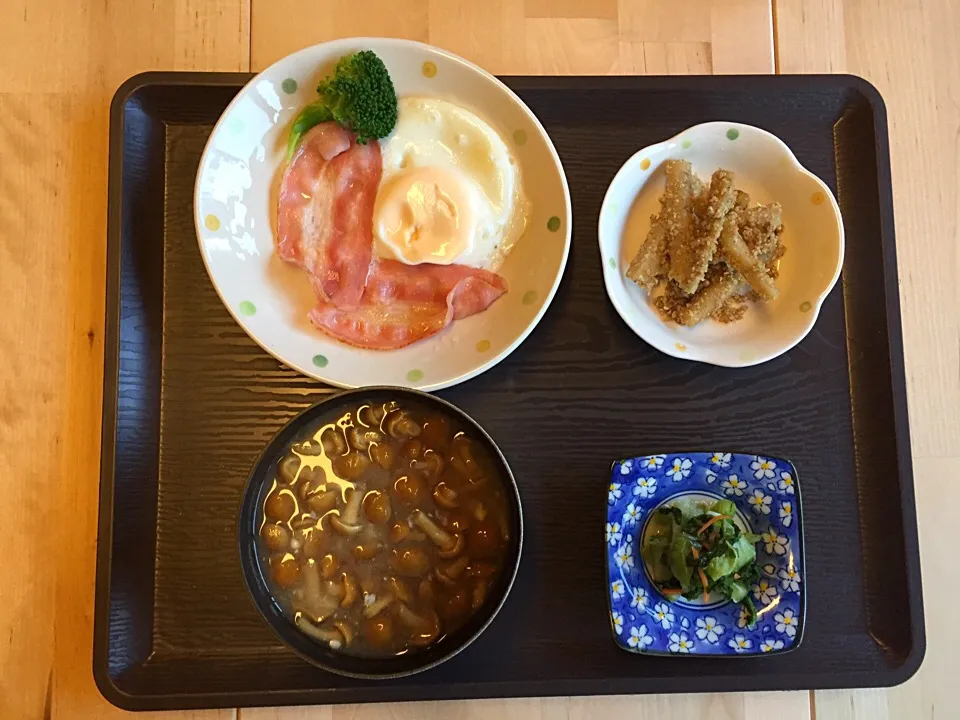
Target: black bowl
(336, 662)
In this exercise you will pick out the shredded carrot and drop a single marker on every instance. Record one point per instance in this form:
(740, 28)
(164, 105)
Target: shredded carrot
(671, 591)
(703, 579)
(696, 555)
(711, 521)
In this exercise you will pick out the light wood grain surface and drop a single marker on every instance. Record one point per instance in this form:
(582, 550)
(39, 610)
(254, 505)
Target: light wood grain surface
(61, 61)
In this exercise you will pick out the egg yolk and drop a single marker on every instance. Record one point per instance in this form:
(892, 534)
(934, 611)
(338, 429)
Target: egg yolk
(427, 215)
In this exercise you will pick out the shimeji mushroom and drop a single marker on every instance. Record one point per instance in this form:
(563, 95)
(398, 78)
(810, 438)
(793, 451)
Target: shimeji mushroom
(425, 628)
(311, 481)
(350, 590)
(430, 463)
(351, 466)
(320, 598)
(288, 468)
(383, 454)
(448, 575)
(347, 523)
(449, 545)
(398, 588)
(361, 439)
(445, 496)
(410, 562)
(346, 629)
(322, 502)
(376, 505)
(329, 566)
(401, 426)
(329, 636)
(378, 605)
(275, 536)
(333, 442)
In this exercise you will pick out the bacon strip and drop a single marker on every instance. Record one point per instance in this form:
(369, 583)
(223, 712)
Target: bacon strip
(324, 220)
(406, 303)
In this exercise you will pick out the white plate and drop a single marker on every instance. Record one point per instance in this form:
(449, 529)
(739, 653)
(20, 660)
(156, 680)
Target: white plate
(235, 215)
(764, 167)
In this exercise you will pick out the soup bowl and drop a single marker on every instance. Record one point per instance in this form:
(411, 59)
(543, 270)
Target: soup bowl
(251, 516)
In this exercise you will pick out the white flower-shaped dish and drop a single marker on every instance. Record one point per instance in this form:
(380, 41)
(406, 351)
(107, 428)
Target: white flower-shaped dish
(765, 168)
(235, 214)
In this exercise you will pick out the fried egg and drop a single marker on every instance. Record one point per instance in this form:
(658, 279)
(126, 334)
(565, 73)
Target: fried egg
(451, 189)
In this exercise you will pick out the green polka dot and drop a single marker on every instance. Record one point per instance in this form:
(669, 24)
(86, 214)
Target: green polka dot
(553, 224)
(289, 86)
(320, 361)
(520, 137)
(805, 306)
(247, 308)
(612, 262)
(415, 375)
(529, 297)
(686, 144)
(733, 134)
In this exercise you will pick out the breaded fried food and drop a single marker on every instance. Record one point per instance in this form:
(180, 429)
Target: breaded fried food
(677, 211)
(649, 265)
(760, 228)
(721, 284)
(713, 207)
(739, 257)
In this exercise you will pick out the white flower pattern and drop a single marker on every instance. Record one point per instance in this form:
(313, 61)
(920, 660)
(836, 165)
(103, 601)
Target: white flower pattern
(786, 513)
(617, 589)
(626, 466)
(617, 620)
(786, 483)
(740, 643)
(639, 599)
(733, 486)
(763, 468)
(680, 643)
(664, 615)
(721, 460)
(615, 493)
(645, 487)
(654, 462)
(711, 477)
(760, 502)
(765, 591)
(709, 630)
(789, 579)
(774, 543)
(679, 469)
(632, 514)
(614, 533)
(624, 555)
(639, 637)
(770, 644)
(786, 622)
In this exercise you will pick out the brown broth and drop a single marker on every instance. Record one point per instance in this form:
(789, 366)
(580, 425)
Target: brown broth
(383, 531)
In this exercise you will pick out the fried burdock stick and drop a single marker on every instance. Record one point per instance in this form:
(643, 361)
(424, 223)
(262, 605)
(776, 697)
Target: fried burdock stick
(738, 256)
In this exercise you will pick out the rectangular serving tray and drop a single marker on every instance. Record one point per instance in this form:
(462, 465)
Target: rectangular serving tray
(189, 401)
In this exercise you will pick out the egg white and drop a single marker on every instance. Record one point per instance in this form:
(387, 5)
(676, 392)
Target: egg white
(435, 133)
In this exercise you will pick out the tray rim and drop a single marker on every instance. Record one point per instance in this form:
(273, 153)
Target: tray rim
(507, 689)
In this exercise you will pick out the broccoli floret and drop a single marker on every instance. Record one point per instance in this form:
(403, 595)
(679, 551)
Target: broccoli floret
(360, 95)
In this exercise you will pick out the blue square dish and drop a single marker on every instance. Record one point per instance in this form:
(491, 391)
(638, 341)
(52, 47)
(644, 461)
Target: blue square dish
(767, 497)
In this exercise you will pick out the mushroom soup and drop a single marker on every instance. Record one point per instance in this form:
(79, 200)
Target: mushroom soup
(383, 530)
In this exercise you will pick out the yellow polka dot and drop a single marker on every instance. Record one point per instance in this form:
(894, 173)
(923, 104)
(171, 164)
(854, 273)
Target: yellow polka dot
(805, 306)
(429, 69)
(645, 163)
(681, 347)
(818, 198)
(212, 222)
(483, 346)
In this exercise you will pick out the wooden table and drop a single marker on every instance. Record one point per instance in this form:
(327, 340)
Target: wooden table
(61, 62)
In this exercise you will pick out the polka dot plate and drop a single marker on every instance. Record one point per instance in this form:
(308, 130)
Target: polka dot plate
(767, 496)
(765, 168)
(235, 216)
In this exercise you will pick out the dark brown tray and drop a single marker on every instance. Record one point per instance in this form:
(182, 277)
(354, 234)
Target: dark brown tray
(189, 401)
